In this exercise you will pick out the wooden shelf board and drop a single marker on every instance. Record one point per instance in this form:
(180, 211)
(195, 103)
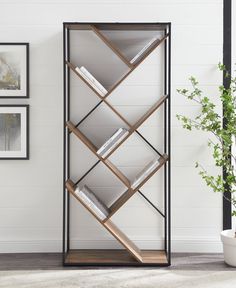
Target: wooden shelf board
(117, 172)
(132, 26)
(111, 46)
(123, 239)
(82, 137)
(149, 50)
(103, 98)
(94, 149)
(140, 122)
(163, 160)
(109, 225)
(154, 256)
(120, 201)
(72, 67)
(141, 59)
(150, 112)
(70, 187)
(130, 192)
(119, 144)
(105, 256)
(118, 26)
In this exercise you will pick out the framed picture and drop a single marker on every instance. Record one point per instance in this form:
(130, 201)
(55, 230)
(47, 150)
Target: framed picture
(14, 70)
(14, 132)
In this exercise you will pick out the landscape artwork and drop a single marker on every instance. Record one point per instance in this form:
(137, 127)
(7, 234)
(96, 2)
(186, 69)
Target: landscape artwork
(14, 64)
(10, 132)
(9, 71)
(14, 132)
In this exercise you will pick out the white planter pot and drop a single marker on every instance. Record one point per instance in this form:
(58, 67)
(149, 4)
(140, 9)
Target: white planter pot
(229, 246)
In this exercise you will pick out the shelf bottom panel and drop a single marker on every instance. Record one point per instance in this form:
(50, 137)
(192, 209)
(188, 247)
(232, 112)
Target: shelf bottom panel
(119, 257)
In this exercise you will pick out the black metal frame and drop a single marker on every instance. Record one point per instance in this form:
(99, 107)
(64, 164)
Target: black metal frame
(27, 67)
(227, 217)
(66, 149)
(26, 157)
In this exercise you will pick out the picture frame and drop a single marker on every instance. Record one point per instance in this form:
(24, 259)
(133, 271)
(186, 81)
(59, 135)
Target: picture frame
(14, 132)
(14, 70)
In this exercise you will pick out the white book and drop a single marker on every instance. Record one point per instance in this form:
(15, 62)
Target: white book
(89, 193)
(90, 199)
(115, 136)
(145, 172)
(143, 49)
(89, 81)
(110, 148)
(93, 79)
(92, 206)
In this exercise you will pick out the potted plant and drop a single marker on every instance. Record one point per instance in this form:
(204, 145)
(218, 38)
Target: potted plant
(210, 121)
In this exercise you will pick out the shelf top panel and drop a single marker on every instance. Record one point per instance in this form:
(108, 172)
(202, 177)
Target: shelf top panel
(118, 26)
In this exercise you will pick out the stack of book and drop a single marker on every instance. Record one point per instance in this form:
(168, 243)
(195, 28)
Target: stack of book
(143, 49)
(91, 80)
(90, 199)
(112, 142)
(145, 172)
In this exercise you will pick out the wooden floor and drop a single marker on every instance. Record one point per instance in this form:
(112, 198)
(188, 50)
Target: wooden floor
(53, 261)
(114, 257)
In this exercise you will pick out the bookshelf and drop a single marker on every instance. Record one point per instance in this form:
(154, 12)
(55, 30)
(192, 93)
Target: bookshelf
(126, 52)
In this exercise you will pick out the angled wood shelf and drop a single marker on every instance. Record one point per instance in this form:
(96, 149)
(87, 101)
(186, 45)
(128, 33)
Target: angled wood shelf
(111, 46)
(110, 226)
(132, 129)
(130, 192)
(72, 67)
(108, 36)
(149, 112)
(118, 26)
(114, 257)
(134, 66)
(94, 149)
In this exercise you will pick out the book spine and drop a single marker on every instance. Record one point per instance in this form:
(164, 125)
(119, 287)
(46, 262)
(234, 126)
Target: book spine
(93, 79)
(113, 138)
(114, 145)
(89, 81)
(143, 50)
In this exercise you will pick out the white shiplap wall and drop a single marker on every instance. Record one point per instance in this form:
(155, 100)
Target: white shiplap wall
(31, 191)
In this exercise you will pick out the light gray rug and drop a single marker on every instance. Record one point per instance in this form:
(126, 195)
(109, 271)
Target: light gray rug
(122, 278)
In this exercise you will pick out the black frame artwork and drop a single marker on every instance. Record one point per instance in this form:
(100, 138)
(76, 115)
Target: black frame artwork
(23, 83)
(23, 154)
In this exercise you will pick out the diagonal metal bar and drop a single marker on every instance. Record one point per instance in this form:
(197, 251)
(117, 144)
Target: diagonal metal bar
(151, 204)
(86, 116)
(148, 143)
(81, 178)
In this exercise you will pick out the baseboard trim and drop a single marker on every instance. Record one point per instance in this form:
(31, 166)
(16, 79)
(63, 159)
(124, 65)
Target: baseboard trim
(201, 245)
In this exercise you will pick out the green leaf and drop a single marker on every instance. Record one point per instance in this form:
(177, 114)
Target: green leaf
(209, 120)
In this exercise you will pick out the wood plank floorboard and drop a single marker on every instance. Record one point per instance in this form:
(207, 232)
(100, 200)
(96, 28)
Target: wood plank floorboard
(53, 261)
